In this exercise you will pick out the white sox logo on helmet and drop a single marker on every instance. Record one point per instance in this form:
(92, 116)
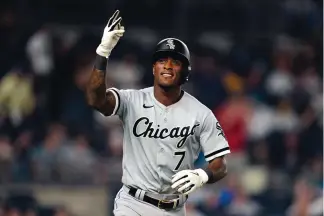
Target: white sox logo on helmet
(170, 44)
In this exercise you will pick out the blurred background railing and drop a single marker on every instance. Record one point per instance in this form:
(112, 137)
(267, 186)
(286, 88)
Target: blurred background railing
(257, 64)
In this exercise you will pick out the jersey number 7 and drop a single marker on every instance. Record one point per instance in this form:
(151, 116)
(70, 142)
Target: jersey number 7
(182, 154)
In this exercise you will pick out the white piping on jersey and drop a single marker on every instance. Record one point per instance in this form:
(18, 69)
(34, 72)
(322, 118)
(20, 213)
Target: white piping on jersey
(114, 92)
(216, 153)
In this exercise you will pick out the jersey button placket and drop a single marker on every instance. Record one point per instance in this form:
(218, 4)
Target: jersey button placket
(165, 115)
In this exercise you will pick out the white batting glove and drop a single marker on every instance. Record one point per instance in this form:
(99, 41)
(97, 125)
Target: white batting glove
(111, 35)
(189, 180)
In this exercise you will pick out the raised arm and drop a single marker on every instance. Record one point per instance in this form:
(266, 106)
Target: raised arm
(96, 88)
(96, 93)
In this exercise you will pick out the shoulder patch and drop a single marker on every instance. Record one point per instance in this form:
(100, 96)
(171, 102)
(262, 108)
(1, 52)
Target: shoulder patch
(221, 132)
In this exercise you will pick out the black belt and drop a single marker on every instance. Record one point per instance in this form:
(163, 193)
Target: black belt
(162, 204)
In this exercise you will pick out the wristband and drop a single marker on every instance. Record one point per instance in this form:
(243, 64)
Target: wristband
(210, 176)
(100, 63)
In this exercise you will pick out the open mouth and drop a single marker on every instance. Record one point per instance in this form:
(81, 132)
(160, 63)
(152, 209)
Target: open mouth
(167, 74)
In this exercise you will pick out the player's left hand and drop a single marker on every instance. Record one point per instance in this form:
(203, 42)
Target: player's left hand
(189, 180)
(111, 35)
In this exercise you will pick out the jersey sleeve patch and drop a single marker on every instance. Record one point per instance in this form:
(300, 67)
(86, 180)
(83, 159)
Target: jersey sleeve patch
(212, 155)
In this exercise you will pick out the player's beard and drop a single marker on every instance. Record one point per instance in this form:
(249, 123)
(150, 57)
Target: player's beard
(168, 87)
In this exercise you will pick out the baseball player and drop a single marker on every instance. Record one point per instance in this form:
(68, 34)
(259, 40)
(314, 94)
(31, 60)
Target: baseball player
(165, 129)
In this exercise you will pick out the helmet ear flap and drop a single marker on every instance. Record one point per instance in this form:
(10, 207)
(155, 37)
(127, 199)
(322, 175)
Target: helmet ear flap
(185, 75)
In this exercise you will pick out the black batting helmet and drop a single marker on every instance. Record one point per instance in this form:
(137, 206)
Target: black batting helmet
(175, 48)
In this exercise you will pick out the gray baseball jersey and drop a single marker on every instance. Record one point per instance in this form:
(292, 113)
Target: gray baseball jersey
(161, 140)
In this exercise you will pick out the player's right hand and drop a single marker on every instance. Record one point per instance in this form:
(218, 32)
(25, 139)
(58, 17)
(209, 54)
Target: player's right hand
(111, 35)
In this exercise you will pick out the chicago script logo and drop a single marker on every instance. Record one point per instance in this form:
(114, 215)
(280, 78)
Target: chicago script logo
(143, 128)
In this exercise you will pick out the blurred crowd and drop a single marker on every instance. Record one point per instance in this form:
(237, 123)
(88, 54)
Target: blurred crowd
(263, 79)
(18, 203)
